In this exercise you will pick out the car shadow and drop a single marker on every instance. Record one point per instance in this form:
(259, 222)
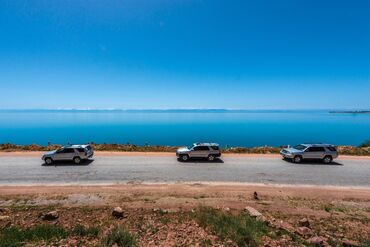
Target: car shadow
(195, 160)
(314, 162)
(69, 163)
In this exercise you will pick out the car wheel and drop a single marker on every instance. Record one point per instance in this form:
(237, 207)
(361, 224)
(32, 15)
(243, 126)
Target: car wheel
(297, 159)
(48, 161)
(327, 159)
(184, 157)
(77, 160)
(211, 157)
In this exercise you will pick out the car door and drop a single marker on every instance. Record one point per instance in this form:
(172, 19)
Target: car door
(200, 151)
(314, 153)
(59, 154)
(65, 154)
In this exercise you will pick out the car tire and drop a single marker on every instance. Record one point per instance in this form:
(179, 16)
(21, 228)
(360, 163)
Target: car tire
(77, 160)
(48, 161)
(297, 159)
(184, 157)
(211, 157)
(327, 159)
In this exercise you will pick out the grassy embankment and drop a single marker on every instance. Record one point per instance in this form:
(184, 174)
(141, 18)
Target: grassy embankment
(362, 150)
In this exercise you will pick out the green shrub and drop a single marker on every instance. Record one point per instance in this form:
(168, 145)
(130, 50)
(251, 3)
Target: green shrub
(82, 231)
(365, 144)
(14, 236)
(120, 236)
(242, 229)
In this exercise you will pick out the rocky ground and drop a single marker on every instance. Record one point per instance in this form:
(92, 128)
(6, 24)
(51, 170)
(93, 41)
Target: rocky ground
(183, 215)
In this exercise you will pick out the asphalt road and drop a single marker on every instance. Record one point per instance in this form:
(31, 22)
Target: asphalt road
(122, 169)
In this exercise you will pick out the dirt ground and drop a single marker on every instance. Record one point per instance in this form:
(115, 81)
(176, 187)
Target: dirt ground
(161, 214)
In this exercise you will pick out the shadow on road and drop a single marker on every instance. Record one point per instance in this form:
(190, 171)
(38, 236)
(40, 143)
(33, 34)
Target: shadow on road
(314, 162)
(70, 163)
(200, 160)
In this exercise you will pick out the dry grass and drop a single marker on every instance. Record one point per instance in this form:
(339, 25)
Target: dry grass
(363, 150)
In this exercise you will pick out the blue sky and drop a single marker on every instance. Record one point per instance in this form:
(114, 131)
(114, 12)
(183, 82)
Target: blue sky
(136, 54)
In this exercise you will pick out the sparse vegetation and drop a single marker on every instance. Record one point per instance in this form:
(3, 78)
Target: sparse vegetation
(169, 224)
(366, 243)
(82, 231)
(242, 229)
(14, 236)
(365, 144)
(119, 236)
(363, 149)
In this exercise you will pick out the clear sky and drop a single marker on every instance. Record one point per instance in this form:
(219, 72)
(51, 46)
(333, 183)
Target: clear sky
(135, 54)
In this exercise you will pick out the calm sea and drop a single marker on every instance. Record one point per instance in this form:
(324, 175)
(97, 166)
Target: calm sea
(249, 128)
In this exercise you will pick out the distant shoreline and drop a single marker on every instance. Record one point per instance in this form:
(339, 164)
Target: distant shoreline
(350, 112)
(177, 110)
(189, 110)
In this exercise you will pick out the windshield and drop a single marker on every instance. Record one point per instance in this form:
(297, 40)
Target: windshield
(190, 147)
(300, 147)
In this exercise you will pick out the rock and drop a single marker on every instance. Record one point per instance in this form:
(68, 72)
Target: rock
(255, 196)
(162, 211)
(252, 212)
(4, 210)
(316, 241)
(304, 222)
(304, 231)
(117, 212)
(227, 209)
(4, 217)
(350, 243)
(281, 225)
(52, 215)
(72, 242)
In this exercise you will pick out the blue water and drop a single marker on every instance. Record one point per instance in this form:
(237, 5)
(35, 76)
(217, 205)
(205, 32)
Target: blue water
(183, 128)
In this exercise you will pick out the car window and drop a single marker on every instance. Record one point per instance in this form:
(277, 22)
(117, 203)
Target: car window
(215, 147)
(81, 150)
(201, 148)
(68, 150)
(316, 149)
(333, 149)
(300, 147)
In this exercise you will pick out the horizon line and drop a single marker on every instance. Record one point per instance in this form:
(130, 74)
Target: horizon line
(184, 109)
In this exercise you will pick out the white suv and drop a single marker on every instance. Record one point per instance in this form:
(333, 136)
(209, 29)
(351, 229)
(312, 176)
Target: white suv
(324, 152)
(75, 153)
(209, 151)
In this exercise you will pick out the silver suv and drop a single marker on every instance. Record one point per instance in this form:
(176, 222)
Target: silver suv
(324, 152)
(209, 151)
(75, 153)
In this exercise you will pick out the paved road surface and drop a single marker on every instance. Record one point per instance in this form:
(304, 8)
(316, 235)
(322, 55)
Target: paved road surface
(122, 169)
